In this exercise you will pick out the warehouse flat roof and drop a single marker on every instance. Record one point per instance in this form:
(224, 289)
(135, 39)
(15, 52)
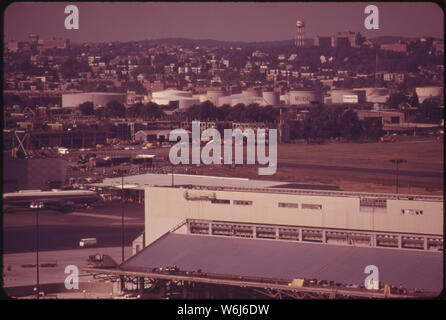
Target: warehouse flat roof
(142, 181)
(153, 179)
(288, 260)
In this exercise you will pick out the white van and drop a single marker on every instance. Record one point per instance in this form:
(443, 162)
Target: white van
(88, 242)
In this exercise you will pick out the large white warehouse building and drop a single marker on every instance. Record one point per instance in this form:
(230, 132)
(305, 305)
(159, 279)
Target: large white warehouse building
(392, 220)
(98, 99)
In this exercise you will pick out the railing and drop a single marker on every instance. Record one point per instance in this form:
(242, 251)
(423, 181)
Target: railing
(375, 239)
(322, 193)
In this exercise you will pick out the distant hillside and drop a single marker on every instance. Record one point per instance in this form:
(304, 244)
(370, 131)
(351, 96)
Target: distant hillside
(212, 43)
(244, 44)
(308, 42)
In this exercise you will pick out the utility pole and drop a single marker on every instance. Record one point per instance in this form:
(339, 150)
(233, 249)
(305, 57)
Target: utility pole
(397, 162)
(37, 254)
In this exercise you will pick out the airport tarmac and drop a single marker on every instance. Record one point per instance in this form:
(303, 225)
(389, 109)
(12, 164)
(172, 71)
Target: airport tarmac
(20, 268)
(61, 231)
(59, 236)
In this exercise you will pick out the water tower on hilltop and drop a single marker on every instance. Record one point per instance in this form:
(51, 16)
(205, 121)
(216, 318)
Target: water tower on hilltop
(300, 34)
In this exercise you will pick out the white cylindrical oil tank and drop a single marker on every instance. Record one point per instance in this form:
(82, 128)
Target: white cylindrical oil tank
(424, 93)
(170, 93)
(214, 95)
(97, 98)
(102, 99)
(302, 97)
(285, 99)
(247, 100)
(252, 92)
(201, 97)
(224, 100)
(186, 103)
(271, 98)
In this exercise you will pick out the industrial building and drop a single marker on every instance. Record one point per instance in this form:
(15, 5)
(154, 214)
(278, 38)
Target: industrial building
(33, 174)
(152, 135)
(213, 237)
(372, 216)
(73, 100)
(396, 47)
(385, 116)
(345, 39)
(323, 42)
(78, 138)
(353, 96)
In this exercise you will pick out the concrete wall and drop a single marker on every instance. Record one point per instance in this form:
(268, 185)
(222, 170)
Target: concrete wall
(166, 208)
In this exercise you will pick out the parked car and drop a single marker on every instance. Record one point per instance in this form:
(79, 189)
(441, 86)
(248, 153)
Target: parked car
(88, 242)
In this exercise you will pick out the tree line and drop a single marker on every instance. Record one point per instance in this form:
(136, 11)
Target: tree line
(115, 109)
(323, 123)
(320, 123)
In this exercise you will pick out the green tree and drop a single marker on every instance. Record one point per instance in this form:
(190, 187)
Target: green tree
(350, 127)
(413, 100)
(114, 109)
(313, 123)
(99, 113)
(151, 111)
(429, 112)
(86, 108)
(396, 99)
(372, 128)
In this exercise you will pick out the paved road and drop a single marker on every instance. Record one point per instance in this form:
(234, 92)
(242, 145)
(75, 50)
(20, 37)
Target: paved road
(59, 231)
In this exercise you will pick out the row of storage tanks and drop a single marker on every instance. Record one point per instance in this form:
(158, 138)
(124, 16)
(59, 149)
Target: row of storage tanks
(187, 99)
(250, 96)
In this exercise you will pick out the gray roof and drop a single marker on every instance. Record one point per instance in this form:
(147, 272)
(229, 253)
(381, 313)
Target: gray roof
(153, 179)
(287, 260)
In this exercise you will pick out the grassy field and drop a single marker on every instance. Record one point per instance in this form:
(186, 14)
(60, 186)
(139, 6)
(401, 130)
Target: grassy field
(421, 154)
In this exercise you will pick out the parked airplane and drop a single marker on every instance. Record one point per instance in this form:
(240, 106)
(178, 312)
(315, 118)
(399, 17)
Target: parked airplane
(63, 200)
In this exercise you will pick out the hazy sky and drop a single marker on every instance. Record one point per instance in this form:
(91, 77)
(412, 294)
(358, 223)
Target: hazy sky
(233, 21)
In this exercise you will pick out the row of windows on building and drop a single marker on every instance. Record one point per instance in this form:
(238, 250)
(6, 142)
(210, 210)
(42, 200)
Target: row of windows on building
(379, 203)
(280, 204)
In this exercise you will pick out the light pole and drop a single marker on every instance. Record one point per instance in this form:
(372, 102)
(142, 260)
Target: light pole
(37, 206)
(122, 214)
(37, 253)
(397, 161)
